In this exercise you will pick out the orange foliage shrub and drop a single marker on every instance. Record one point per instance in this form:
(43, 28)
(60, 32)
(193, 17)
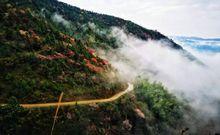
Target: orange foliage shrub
(94, 60)
(70, 53)
(105, 62)
(93, 67)
(91, 51)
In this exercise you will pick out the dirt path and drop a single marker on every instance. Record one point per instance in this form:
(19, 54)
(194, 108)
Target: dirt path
(82, 102)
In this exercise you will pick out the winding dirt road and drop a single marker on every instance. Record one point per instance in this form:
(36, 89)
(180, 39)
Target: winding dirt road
(82, 102)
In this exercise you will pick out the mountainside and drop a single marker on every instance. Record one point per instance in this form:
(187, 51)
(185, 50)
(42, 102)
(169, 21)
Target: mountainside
(35, 57)
(79, 16)
(48, 47)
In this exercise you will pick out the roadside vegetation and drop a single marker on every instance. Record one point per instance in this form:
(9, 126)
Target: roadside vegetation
(148, 109)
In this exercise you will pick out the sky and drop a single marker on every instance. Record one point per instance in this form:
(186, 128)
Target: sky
(200, 18)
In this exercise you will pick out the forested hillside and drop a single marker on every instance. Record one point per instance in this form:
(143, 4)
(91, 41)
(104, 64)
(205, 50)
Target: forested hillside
(80, 16)
(48, 47)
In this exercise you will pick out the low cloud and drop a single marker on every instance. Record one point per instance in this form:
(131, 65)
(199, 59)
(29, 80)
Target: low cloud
(187, 79)
(59, 19)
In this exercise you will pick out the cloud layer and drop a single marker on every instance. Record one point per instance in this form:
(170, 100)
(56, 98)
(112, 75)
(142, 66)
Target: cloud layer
(199, 84)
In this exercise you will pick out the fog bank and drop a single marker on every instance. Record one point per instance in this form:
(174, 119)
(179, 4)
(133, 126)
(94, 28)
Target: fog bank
(152, 60)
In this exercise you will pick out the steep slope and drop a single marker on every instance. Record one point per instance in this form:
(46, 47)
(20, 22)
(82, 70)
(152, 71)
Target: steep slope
(36, 58)
(46, 46)
(77, 17)
(40, 57)
(81, 16)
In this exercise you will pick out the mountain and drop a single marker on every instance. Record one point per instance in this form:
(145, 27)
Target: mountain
(199, 38)
(199, 44)
(48, 47)
(81, 16)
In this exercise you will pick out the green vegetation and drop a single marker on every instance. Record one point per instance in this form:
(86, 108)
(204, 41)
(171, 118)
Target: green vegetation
(38, 61)
(163, 105)
(153, 110)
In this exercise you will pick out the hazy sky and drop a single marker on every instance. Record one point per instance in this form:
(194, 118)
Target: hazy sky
(171, 17)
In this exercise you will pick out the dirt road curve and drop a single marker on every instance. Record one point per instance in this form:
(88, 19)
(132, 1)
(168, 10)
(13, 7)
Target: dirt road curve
(82, 102)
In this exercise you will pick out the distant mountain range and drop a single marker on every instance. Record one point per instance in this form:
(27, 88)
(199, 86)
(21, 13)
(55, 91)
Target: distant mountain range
(200, 44)
(198, 38)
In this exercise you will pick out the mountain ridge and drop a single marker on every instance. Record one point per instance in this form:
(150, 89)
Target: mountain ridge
(73, 13)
